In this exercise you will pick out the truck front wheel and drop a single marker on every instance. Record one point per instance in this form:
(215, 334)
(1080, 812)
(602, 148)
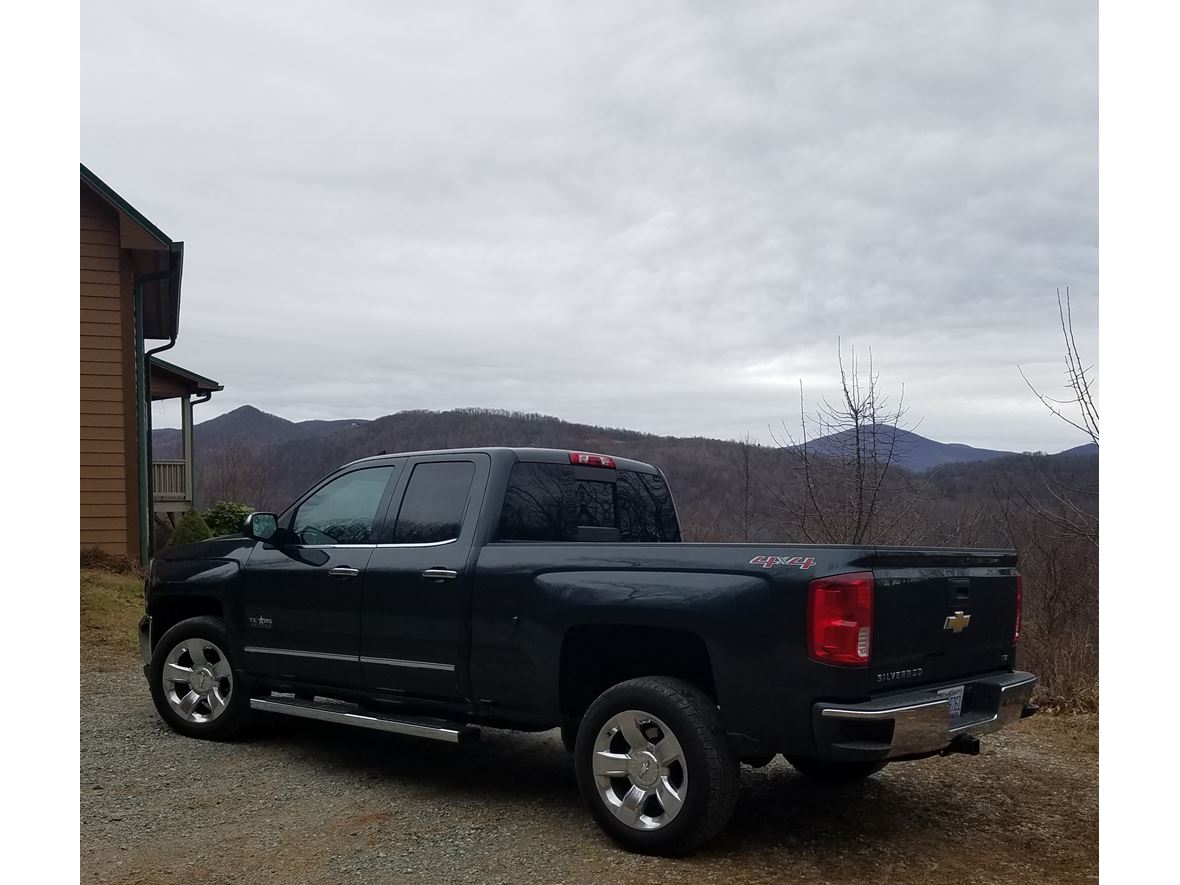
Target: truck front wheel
(655, 767)
(193, 683)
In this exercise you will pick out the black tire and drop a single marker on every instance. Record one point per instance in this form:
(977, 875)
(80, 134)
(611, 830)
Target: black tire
(711, 771)
(834, 772)
(228, 721)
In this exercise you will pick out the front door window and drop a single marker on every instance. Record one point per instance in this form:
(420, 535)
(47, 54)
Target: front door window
(343, 511)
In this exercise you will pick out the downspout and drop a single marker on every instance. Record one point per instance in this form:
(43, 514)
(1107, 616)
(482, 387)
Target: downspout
(141, 392)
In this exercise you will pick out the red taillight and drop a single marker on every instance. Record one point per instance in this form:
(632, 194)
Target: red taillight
(840, 619)
(1019, 606)
(588, 459)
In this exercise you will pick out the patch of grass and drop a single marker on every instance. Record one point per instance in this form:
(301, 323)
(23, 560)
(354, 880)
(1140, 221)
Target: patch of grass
(97, 558)
(1077, 732)
(111, 606)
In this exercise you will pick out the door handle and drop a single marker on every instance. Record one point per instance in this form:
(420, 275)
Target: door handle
(343, 571)
(440, 574)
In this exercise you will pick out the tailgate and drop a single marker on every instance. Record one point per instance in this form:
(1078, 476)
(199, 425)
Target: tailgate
(939, 615)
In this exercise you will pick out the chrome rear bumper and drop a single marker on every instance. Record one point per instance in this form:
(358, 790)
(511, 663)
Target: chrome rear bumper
(918, 723)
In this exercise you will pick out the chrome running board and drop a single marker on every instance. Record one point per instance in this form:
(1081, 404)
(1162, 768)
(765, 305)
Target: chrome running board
(348, 714)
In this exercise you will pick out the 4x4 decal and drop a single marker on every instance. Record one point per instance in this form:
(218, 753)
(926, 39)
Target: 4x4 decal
(770, 561)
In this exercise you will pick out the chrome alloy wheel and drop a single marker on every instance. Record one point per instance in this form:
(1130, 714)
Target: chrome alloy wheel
(640, 770)
(197, 680)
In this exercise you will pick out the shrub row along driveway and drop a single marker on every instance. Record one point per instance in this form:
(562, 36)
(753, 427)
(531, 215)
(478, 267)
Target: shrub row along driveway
(309, 802)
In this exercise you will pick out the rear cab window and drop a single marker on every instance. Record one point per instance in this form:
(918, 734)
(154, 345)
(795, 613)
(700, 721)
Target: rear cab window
(560, 502)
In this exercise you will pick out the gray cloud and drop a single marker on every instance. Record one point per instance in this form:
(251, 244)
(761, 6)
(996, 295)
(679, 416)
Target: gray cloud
(658, 217)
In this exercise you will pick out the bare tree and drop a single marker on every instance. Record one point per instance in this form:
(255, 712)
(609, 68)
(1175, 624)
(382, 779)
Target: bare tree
(846, 463)
(233, 472)
(1068, 509)
(746, 444)
(1080, 380)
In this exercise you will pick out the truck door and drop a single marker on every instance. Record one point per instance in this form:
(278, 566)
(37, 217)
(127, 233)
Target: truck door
(417, 591)
(301, 599)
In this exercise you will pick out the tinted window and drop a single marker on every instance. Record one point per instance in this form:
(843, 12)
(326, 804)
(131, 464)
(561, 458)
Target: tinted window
(342, 512)
(548, 502)
(532, 504)
(645, 510)
(432, 509)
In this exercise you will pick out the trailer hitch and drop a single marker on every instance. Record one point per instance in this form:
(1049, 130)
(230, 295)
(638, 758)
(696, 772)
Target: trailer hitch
(967, 744)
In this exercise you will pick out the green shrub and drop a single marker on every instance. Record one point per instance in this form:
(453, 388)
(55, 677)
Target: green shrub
(189, 530)
(226, 517)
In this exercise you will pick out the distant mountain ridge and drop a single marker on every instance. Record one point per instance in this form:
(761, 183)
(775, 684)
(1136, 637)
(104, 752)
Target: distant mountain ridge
(246, 424)
(910, 450)
(252, 427)
(723, 489)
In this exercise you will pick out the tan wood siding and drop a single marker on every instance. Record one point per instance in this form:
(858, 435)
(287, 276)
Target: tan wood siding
(99, 407)
(98, 355)
(105, 496)
(99, 318)
(104, 459)
(113, 434)
(101, 277)
(117, 513)
(102, 264)
(102, 446)
(102, 342)
(101, 238)
(106, 395)
(130, 413)
(104, 538)
(103, 484)
(92, 368)
(109, 508)
(104, 472)
(98, 419)
(101, 291)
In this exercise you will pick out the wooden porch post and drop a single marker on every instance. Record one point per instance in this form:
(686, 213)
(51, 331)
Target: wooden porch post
(186, 433)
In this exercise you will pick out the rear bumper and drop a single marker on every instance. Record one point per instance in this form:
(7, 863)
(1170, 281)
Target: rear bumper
(145, 642)
(913, 724)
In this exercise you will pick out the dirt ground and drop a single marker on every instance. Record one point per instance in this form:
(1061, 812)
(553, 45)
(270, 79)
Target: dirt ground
(300, 801)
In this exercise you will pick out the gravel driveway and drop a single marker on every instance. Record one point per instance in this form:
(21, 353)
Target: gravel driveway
(302, 801)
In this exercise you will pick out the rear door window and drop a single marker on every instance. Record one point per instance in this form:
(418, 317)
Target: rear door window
(550, 502)
(434, 502)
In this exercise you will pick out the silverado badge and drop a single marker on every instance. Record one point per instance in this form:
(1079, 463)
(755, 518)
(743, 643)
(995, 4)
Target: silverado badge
(957, 622)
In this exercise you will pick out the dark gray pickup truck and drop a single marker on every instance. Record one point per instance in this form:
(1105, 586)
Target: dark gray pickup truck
(430, 593)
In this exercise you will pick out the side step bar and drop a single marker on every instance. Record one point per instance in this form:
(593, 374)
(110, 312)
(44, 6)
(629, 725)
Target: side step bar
(347, 714)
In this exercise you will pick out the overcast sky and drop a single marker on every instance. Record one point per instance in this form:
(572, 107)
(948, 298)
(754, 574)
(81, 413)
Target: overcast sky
(658, 216)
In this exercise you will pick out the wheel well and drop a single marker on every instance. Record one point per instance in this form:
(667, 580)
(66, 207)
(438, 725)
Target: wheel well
(594, 657)
(170, 611)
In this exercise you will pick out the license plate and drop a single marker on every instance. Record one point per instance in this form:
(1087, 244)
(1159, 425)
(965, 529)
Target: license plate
(954, 700)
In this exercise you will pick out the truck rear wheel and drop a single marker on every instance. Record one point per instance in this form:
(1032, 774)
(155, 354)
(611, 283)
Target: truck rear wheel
(655, 767)
(833, 771)
(193, 683)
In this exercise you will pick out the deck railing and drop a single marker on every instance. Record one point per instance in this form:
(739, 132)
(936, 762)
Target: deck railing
(170, 480)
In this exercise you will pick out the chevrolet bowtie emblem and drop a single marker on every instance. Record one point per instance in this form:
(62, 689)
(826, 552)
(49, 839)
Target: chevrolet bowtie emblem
(957, 622)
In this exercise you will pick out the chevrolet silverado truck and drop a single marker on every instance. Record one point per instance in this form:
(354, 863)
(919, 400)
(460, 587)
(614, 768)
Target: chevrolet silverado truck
(431, 593)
